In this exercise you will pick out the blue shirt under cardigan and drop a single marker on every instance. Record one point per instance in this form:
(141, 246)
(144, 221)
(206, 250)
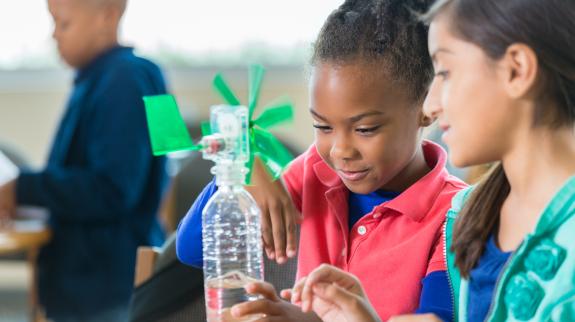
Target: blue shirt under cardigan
(482, 280)
(102, 187)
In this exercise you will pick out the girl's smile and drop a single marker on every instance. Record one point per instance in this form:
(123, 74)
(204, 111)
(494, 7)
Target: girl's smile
(347, 175)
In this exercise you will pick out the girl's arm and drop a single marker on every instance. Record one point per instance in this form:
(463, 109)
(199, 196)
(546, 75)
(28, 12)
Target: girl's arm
(189, 235)
(436, 296)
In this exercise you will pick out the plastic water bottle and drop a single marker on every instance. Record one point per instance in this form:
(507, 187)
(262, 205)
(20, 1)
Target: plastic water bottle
(232, 247)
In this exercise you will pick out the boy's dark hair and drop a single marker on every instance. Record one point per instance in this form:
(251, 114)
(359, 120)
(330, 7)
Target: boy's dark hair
(385, 32)
(120, 4)
(546, 26)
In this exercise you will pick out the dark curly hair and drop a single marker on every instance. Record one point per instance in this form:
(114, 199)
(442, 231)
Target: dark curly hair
(386, 32)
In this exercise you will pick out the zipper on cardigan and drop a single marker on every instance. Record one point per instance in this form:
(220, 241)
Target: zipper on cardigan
(452, 292)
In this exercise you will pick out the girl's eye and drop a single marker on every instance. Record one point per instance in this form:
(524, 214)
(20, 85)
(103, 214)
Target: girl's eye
(443, 74)
(367, 130)
(322, 128)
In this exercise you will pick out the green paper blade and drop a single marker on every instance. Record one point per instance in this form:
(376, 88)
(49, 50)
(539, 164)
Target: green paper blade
(271, 151)
(225, 91)
(250, 163)
(168, 132)
(256, 77)
(274, 115)
(206, 128)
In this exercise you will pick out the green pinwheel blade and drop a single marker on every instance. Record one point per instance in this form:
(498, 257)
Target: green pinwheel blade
(225, 91)
(250, 167)
(256, 77)
(206, 128)
(271, 151)
(168, 132)
(275, 114)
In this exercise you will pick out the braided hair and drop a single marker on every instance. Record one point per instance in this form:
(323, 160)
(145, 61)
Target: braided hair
(384, 32)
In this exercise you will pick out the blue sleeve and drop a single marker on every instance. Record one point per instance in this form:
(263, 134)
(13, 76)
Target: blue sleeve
(118, 156)
(436, 296)
(189, 235)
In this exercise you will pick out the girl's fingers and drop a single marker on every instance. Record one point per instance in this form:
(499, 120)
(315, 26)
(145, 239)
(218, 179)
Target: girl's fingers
(336, 295)
(264, 289)
(348, 303)
(255, 307)
(267, 235)
(286, 294)
(329, 274)
(296, 291)
(278, 231)
(291, 217)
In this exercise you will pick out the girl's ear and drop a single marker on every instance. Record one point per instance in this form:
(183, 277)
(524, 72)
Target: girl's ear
(519, 67)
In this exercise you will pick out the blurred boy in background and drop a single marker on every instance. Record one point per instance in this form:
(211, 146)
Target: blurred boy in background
(101, 184)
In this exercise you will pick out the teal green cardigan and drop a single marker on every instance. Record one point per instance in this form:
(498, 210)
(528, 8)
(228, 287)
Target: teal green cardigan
(538, 281)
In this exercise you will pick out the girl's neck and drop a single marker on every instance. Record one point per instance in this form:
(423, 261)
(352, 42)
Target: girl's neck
(540, 163)
(416, 169)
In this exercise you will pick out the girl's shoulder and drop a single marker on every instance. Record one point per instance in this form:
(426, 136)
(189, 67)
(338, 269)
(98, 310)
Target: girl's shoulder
(539, 283)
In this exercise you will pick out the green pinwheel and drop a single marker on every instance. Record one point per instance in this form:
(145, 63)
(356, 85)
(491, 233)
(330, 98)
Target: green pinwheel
(168, 132)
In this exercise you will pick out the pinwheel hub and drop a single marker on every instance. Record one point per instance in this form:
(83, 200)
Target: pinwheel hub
(229, 138)
(213, 144)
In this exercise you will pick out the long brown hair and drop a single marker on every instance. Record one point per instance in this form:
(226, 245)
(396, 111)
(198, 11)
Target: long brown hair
(547, 27)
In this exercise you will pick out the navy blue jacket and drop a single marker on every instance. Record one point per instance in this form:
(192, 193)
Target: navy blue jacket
(101, 185)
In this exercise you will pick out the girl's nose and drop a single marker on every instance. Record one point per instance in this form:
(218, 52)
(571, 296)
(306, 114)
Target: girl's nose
(342, 147)
(432, 104)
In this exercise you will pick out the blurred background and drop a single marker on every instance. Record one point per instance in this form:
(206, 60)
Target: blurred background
(191, 40)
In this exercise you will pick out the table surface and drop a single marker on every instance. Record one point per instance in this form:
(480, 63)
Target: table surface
(23, 237)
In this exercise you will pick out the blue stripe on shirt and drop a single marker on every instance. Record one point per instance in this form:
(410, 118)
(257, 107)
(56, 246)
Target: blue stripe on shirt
(436, 296)
(189, 235)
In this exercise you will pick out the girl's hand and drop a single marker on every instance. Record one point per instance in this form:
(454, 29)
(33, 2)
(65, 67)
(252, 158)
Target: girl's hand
(271, 306)
(279, 214)
(302, 290)
(415, 318)
(333, 295)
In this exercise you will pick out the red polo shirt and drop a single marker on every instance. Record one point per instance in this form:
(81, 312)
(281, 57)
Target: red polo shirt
(392, 248)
